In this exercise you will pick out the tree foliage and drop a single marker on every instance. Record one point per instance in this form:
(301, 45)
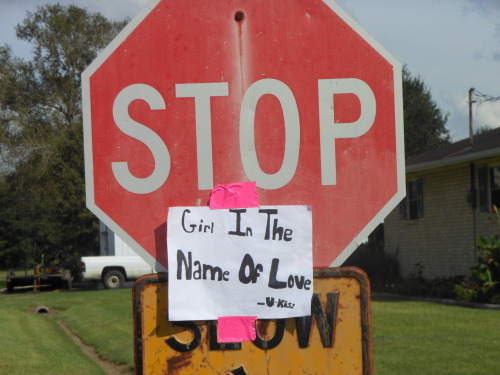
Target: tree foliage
(425, 124)
(43, 213)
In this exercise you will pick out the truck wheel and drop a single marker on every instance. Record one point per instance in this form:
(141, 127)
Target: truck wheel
(113, 279)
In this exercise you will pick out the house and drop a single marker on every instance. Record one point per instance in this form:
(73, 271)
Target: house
(450, 194)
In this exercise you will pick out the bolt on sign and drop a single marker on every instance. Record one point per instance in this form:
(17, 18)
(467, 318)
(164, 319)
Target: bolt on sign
(334, 339)
(291, 94)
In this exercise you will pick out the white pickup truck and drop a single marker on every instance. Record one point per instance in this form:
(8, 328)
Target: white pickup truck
(113, 271)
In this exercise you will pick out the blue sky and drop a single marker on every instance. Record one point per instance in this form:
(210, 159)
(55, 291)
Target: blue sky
(452, 45)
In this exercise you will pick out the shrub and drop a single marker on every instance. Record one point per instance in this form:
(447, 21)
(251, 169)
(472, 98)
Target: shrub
(487, 269)
(485, 275)
(467, 291)
(495, 299)
(444, 287)
(381, 267)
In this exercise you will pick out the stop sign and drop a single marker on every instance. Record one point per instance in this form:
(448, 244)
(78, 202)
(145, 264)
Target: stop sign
(291, 94)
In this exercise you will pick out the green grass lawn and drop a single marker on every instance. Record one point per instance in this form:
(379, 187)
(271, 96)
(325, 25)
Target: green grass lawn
(427, 338)
(408, 337)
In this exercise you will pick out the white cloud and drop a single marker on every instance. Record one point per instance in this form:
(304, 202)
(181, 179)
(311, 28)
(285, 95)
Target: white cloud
(488, 113)
(458, 122)
(485, 6)
(483, 114)
(490, 11)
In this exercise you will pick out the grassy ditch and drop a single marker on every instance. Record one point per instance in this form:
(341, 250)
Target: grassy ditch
(408, 337)
(34, 343)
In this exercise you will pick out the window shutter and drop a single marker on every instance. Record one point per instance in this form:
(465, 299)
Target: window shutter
(483, 189)
(420, 198)
(495, 186)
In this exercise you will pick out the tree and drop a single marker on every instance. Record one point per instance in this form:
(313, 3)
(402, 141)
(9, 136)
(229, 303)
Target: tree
(42, 195)
(425, 124)
(483, 129)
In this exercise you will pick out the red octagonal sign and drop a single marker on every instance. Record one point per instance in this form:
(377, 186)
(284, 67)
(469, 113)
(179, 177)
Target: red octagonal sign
(291, 94)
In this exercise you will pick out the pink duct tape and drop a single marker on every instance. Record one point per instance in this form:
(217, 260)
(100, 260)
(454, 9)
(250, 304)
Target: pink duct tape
(236, 328)
(237, 195)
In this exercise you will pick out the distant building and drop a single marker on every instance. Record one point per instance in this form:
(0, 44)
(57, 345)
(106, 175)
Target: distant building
(450, 194)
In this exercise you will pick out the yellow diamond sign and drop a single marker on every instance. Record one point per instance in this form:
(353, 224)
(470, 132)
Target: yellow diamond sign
(335, 339)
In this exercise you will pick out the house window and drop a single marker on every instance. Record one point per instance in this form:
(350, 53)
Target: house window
(489, 188)
(412, 207)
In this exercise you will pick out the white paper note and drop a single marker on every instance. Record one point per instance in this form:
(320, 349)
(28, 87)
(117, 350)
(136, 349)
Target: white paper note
(239, 262)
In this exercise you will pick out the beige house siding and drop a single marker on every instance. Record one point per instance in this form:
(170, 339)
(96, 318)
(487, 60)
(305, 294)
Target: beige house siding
(443, 240)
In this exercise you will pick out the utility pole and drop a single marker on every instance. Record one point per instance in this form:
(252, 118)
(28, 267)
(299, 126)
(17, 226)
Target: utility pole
(471, 129)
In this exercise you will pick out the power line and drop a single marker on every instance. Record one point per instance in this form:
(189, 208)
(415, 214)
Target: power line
(481, 98)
